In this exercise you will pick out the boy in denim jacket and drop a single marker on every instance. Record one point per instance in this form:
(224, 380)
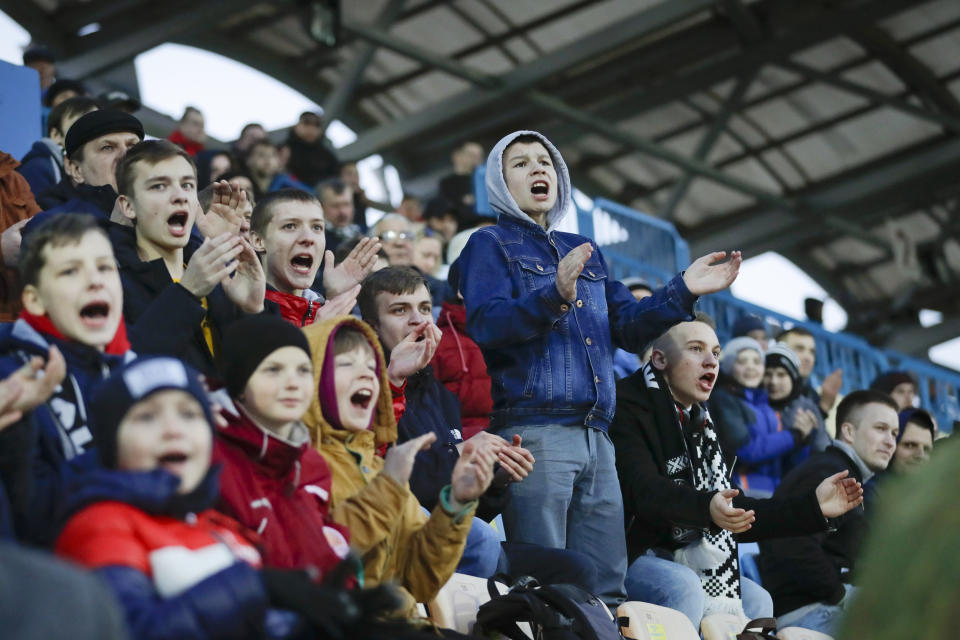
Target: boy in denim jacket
(546, 313)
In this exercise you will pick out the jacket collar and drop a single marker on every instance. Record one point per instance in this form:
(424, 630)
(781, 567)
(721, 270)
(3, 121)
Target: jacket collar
(274, 454)
(865, 472)
(103, 197)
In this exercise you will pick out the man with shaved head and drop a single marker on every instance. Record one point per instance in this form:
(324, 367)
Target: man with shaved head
(684, 518)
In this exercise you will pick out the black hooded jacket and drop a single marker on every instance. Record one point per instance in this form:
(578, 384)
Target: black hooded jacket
(660, 502)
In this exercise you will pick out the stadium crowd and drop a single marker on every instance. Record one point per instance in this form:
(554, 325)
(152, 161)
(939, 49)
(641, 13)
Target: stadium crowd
(250, 406)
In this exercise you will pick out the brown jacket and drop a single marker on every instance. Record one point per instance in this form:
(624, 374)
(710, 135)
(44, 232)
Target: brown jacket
(396, 540)
(16, 204)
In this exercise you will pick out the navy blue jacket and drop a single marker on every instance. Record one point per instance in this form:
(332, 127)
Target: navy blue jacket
(53, 442)
(162, 317)
(431, 407)
(56, 194)
(551, 360)
(97, 201)
(42, 167)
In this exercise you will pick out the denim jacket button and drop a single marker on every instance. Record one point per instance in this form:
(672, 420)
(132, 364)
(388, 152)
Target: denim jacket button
(564, 307)
(539, 268)
(591, 274)
(589, 341)
(579, 303)
(596, 379)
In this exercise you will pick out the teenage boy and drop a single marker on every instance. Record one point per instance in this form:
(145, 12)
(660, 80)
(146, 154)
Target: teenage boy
(263, 164)
(179, 294)
(287, 231)
(72, 305)
(544, 309)
(351, 418)
(43, 164)
(811, 577)
(396, 303)
(94, 146)
(145, 522)
(336, 198)
(683, 516)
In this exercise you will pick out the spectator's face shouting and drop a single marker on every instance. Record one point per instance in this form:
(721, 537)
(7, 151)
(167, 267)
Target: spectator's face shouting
(806, 349)
(357, 387)
(399, 314)
(100, 157)
(531, 178)
(913, 449)
(293, 244)
(166, 430)
(79, 289)
(280, 390)
(689, 362)
(777, 382)
(164, 203)
(748, 368)
(872, 431)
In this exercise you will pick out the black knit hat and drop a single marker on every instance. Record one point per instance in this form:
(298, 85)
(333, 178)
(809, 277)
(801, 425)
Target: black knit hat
(251, 339)
(99, 123)
(780, 355)
(888, 381)
(129, 385)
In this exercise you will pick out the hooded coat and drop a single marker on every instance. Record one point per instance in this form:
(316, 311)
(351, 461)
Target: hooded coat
(42, 167)
(16, 204)
(459, 365)
(550, 360)
(393, 536)
(280, 489)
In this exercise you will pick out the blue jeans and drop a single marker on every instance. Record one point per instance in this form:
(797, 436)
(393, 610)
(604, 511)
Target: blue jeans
(670, 584)
(818, 616)
(571, 500)
(482, 553)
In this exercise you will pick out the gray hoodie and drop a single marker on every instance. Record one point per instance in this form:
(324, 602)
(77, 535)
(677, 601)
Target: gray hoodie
(500, 198)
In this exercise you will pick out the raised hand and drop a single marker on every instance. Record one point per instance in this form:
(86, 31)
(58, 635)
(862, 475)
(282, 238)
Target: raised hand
(398, 464)
(829, 390)
(725, 516)
(30, 386)
(412, 354)
(838, 494)
(211, 263)
(471, 475)
(805, 422)
(709, 275)
(569, 270)
(225, 214)
(354, 268)
(340, 305)
(247, 286)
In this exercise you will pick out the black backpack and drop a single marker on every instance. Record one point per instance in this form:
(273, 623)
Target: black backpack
(555, 612)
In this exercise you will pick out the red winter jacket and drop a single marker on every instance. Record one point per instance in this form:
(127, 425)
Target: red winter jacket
(459, 365)
(281, 490)
(297, 310)
(191, 147)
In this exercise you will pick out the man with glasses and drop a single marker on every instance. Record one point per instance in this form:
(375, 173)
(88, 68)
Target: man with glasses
(396, 235)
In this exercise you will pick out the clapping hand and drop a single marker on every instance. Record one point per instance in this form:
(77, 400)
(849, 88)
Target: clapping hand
(709, 275)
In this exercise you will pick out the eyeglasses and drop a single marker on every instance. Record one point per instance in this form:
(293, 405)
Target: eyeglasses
(393, 236)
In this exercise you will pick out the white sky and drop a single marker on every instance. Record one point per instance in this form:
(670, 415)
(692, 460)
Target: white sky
(212, 83)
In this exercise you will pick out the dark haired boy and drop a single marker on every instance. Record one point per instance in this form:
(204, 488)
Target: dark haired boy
(811, 577)
(265, 169)
(72, 301)
(802, 343)
(287, 230)
(179, 292)
(42, 166)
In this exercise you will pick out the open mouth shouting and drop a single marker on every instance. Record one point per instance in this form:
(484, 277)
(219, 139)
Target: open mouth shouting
(706, 382)
(177, 224)
(95, 314)
(302, 263)
(540, 190)
(360, 400)
(173, 461)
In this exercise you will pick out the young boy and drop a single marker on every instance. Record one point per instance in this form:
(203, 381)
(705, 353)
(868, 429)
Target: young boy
(273, 481)
(287, 229)
(546, 312)
(349, 419)
(180, 294)
(145, 523)
(72, 302)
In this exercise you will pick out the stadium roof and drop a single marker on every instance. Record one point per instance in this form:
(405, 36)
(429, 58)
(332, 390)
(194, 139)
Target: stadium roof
(825, 130)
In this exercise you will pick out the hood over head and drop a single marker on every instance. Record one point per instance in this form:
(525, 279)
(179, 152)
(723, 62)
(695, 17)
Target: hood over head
(319, 335)
(499, 195)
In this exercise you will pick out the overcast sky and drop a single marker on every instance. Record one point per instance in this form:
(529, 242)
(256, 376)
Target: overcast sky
(210, 83)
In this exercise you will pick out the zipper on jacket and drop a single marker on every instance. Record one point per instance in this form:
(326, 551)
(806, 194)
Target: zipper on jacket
(307, 315)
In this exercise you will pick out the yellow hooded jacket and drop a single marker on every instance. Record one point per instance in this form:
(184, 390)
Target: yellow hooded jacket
(396, 540)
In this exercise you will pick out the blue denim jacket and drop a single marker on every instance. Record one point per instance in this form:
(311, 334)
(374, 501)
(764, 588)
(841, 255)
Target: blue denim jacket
(551, 360)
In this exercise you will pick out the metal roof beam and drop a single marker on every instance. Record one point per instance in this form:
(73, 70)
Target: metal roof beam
(350, 77)
(620, 34)
(125, 40)
(916, 340)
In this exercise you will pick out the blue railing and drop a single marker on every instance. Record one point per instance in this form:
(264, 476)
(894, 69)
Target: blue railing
(637, 244)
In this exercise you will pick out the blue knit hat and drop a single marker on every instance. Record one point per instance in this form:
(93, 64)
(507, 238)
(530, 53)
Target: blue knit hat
(129, 385)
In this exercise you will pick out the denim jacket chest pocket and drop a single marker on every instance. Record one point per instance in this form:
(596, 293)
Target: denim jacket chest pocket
(592, 289)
